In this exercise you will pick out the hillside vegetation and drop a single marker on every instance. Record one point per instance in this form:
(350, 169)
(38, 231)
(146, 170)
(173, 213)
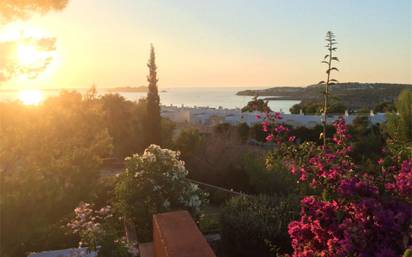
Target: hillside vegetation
(353, 95)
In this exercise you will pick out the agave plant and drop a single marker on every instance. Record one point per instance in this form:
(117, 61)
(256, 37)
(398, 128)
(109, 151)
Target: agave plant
(329, 60)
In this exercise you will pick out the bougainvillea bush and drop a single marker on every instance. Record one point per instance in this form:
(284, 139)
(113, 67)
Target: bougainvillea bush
(357, 212)
(155, 182)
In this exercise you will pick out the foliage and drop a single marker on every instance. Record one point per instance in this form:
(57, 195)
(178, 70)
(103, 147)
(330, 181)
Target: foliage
(124, 121)
(359, 212)
(155, 182)
(153, 126)
(188, 141)
(10, 65)
(216, 159)
(222, 159)
(367, 140)
(243, 131)
(209, 220)
(353, 95)
(399, 127)
(268, 178)
(313, 107)
(304, 134)
(257, 133)
(223, 129)
(167, 129)
(249, 223)
(384, 107)
(256, 104)
(48, 156)
(97, 230)
(12, 9)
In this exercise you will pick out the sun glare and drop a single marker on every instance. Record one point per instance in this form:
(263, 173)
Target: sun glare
(31, 97)
(28, 51)
(27, 55)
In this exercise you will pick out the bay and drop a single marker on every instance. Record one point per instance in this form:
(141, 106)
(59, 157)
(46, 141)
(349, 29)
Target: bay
(215, 97)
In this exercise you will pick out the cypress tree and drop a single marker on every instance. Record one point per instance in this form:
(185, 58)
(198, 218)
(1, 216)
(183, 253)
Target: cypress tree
(153, 129)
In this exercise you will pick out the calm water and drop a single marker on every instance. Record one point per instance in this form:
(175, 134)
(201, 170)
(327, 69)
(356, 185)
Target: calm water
(194, 96)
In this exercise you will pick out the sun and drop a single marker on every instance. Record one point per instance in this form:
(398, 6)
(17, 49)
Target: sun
(27, 55)
(27, 52)
(31, 97)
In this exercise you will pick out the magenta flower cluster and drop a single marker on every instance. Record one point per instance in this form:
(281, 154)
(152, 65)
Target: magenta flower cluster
(359, 213)
(275, 133)
(402, 183)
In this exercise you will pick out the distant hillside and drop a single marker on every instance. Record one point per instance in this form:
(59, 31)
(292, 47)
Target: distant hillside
(128, 89)
(353, 94)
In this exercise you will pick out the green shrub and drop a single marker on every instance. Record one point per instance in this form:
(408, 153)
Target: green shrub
(274, 179)
(188, 141)
(252, 226)
(243, 131)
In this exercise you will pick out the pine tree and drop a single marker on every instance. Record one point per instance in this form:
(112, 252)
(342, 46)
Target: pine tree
(153, 129)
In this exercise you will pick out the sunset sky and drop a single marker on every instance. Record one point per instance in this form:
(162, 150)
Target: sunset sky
(222, 43)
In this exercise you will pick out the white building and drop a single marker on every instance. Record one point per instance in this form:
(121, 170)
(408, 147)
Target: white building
(212, 116)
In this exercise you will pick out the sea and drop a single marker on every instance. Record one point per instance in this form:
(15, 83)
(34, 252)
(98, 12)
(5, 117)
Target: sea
(216, 97)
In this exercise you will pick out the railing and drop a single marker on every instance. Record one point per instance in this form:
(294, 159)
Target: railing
(230, 191)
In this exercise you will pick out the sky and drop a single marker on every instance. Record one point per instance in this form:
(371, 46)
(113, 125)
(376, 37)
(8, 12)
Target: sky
(223, 43)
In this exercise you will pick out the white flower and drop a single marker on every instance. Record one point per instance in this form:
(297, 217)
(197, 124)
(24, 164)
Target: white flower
(166, 204)
(164, 172)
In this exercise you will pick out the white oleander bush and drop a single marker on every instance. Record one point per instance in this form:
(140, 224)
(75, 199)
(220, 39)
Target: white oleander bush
(155, 182)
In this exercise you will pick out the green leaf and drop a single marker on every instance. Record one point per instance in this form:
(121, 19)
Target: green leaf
(407, 253)
(326, 194)
(340, 215)
(335, 59)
